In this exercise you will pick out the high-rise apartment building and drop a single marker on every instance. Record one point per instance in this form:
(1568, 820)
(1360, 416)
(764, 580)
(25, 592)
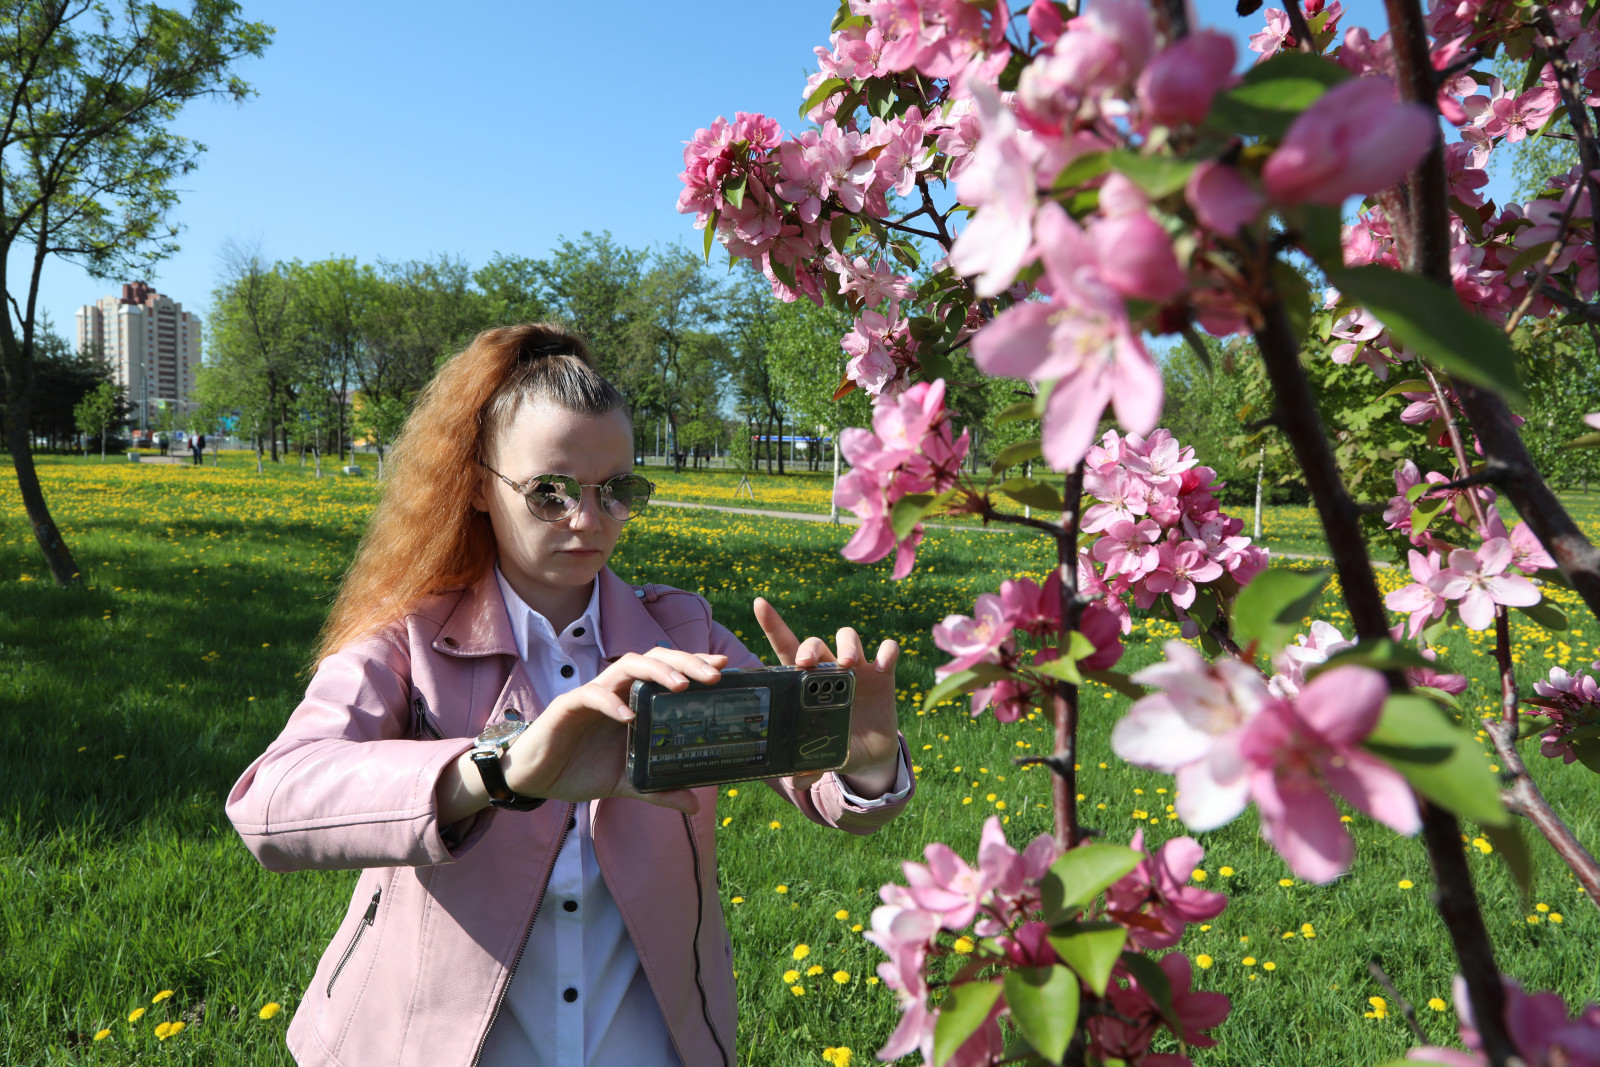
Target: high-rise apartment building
(151, 343)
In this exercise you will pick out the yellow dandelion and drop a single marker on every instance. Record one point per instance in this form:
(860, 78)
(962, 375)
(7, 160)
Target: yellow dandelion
(774, 825)
(798, 990)
(856, 929)
(1380, 1008)
(1198, 874)
(1541, 908)
(1269, 966)
(1249, 961)
(101, 1035)
(1437, 1004)
(801, 951)
(790, 977)
(1286, 882)
(738, 900)
(159, 997)
(733, 792)
(963, 945)
(1555, 917)
(1406, 883)
(813, 970)
(1226, 872)
(136, 1014)
(781, 889)
(842, 977)
(841, 915)
(1308, 930)
(1203, 962)
(269, 1010)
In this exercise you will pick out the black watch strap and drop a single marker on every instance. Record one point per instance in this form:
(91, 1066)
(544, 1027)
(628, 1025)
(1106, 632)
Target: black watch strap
(494, 780)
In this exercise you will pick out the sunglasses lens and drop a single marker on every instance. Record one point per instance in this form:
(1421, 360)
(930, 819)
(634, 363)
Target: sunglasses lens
(553, 497)
(626, 496)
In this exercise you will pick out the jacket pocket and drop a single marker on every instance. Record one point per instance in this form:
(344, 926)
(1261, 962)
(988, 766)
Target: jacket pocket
(355, 939)
(424, 728)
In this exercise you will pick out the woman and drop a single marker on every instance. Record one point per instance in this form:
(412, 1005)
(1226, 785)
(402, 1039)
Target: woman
(526, 906)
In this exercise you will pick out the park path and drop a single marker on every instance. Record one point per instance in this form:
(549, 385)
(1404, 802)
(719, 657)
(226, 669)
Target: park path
(851, 520)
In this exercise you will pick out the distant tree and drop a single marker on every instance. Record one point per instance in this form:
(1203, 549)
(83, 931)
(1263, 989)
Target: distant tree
(512, 288)
(590, 284)
(62, 377)
(256, 353)
(338, 299)
(380, 421)
(87, 165)
(95, 413)
(673, 355)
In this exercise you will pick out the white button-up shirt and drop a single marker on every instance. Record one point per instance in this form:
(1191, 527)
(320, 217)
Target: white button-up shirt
(580, 997)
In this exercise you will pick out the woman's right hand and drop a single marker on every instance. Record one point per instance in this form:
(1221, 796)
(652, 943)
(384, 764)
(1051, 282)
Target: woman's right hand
(576, 749)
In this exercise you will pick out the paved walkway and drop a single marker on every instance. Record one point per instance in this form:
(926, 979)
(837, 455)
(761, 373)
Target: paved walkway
(850, 520)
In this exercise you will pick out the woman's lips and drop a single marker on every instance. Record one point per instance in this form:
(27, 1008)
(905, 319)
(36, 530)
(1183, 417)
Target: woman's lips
(581, 551)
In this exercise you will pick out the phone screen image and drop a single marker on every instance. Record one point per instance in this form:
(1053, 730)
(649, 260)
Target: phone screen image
(709, 728)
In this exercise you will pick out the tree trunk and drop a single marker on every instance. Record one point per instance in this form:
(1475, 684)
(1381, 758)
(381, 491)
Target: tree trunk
(833, 503)
(63, 568)
(780, 443)
(1261, 474)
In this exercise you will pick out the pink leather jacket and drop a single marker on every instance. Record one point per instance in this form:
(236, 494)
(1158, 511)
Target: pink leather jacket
(438, 921)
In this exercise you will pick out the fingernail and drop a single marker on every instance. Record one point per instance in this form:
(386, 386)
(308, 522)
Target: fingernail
(676, 678)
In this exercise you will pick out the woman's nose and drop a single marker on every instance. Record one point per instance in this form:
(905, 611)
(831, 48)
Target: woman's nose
(587, 517)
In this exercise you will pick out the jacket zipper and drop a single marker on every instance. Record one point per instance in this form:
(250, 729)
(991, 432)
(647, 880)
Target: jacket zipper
(700, 911)
(544, 890)
(424, 723)
(349, 950)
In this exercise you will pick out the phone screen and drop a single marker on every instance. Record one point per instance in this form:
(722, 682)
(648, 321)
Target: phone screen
(692, 731)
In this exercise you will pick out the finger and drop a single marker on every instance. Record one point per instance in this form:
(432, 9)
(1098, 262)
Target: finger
(849, 645)
(702, 668)
(812, 651)
(597, 698)
(888, 656)
(633, 667)
(803, 782)
(782, 639)
(682, 800)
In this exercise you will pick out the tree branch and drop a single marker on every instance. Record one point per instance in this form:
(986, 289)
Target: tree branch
(1064, 784)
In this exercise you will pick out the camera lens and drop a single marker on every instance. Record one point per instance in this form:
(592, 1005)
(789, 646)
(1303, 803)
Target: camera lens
(811, 686)
(839, 684)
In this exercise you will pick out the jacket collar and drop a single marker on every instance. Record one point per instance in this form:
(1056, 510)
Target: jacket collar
(479, 624)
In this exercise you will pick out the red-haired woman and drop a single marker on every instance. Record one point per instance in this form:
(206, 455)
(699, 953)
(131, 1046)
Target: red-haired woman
(526, 906)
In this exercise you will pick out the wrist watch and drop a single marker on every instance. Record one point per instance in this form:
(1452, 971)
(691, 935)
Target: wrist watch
(486, 753)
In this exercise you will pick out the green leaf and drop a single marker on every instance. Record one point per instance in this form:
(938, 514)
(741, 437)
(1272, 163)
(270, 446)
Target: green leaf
(1321, 231)
(711, 233)
(1083, 874)
(1016, 413)
(1547, 615)
(1588, 440)
(1021, 452)
(906, 253)
(826, 88)
(908, 511)
(1414, 494)
(960, 1015)
(1032, 492)
(1153, 980)
(733, 191)
(1044, 1005)
(1062, 667)
(1527, 257)
(1158, 176)
(1273, 94)
(1410, 385)
(1272, 606)
(1428, 317)
(1513, 848)
(1204, 609)
(1118, 681)
(1085, 168)
(1091, 949)
(1382, 654)
(1295, 293)
(839, 231)
(880, 97)
(1425, 512)
(1438, 696)
(963, 682)
(1442, 761)
(923, 329)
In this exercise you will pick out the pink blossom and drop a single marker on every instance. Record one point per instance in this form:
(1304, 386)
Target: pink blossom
(1476, 580)
(1179, 567)
(1572, 702)
(1355, 139)
(905, 932)
(1155, 899)
(876, 283)
(1082, 338)
(1222, 199)
(1120, 496)
(1297, 750)
(950, 889)
(999, 181)
(1128, 548)
(1275, 37)
(1125, 1032)
(877, 344)
(1135, 254)
(1031, 609)
(973, 640)
(1420, 599)
(1177, 87)
(1102, 625)
(1324, 642)
(1190, 726)
(1538, 1024)
(1527, 553)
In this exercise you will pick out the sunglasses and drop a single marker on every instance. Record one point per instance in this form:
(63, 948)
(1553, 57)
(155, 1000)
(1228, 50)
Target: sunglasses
(553, 497)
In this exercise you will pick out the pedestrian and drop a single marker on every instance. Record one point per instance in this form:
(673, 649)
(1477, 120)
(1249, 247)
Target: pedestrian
(526, 907)
(197, 444)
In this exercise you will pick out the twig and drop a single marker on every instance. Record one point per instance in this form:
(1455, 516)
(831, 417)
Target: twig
(1064, 783)
(1522, 795)
(1407, 1012)
(1587, 312)
(1490, 475)
(1572, 94)
(1302, 31)
(1447, 413)
(1549, 261)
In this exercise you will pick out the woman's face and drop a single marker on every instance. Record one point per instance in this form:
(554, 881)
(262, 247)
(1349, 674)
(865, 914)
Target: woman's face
(545, 438)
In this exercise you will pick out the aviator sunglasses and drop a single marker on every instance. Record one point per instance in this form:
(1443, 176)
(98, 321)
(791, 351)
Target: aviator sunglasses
(553, 497)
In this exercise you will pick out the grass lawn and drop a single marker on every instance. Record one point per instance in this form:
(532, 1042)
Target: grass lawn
(127, 709)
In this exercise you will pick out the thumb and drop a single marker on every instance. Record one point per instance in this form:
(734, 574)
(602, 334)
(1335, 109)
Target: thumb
(682, 800)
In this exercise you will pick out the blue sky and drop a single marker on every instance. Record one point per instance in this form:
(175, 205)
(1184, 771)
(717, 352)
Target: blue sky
(405, 129)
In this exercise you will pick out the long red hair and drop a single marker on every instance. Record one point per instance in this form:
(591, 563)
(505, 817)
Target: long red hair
(425, 536)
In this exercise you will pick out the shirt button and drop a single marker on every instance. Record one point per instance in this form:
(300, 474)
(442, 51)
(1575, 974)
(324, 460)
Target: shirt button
(572, 822)
(571, 905)
(566, 670)
(569, 995)
(578, 632)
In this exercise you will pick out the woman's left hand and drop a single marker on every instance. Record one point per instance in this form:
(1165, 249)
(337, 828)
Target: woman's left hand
(874, 727)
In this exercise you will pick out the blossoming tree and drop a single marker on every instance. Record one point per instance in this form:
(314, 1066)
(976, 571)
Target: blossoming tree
(1114, 177)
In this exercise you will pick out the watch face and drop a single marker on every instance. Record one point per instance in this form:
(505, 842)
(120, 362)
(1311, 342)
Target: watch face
(501, 733)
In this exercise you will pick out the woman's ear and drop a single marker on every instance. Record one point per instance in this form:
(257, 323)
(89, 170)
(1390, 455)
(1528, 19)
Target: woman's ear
(480, 493)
